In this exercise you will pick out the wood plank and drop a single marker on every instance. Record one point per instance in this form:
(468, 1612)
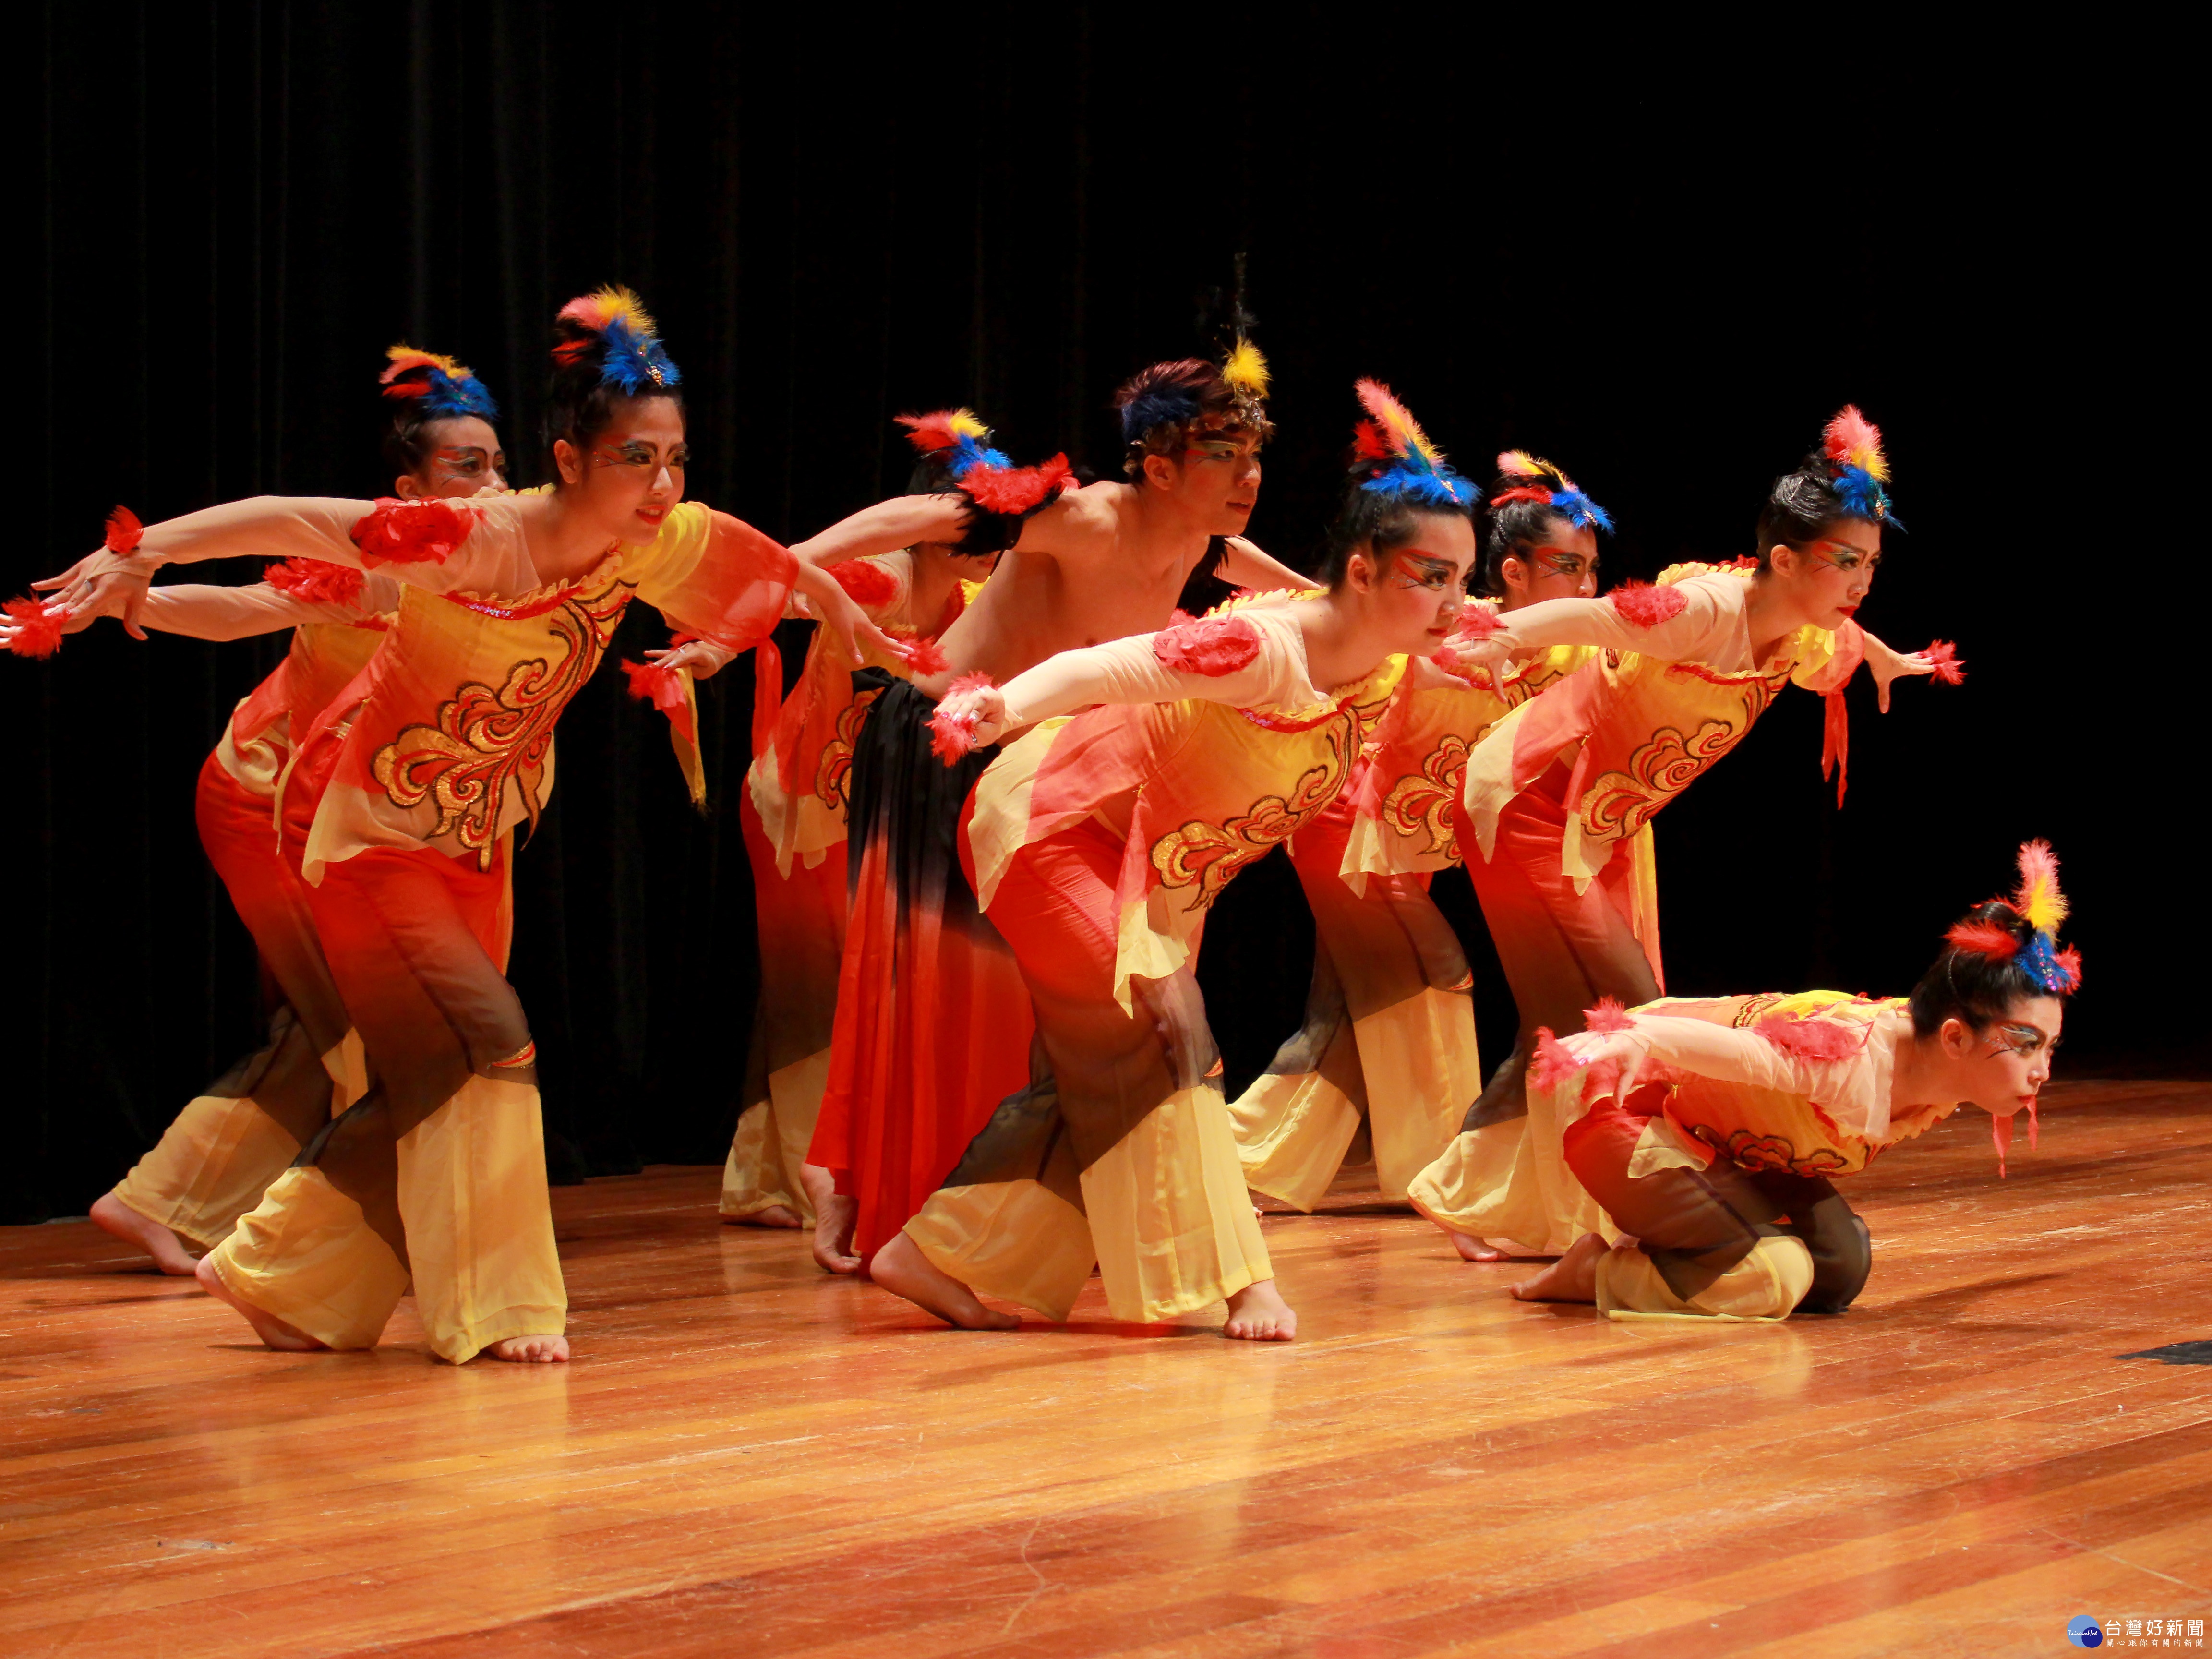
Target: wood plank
(750, 1456)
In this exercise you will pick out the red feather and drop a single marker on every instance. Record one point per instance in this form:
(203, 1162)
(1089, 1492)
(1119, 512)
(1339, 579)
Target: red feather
(868, 583)
(123, 531)
(952, 736)
(1985, 939)
(929, 433)
(1551, 1065)
(1477, 621)
(425, 530)
(2069, 963)
(1607, 1016)
(37, 634)
(662, 688)
(1849, 431)
(1521, 493)
(1646, 606)
(1944, 656)
(1813, 1038)
(1369, 443)
(1215, 646)
(923, 657)
(1014, 490)
(316, 580)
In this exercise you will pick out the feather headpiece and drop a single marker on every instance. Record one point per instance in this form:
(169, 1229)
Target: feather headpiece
(1245, 369)
(1549, 486)
(2033, 941)
(614, 320)
(1403, 460)
(443, 388)
(1852, 445)
(960, 444)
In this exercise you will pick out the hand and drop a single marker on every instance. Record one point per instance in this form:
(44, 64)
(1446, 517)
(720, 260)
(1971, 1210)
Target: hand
(1469, 659)
(10, 629)
(1624, 1049)
(99, 584)
(982, 709)
(1887, 665)
(702, 657)
(851, 635)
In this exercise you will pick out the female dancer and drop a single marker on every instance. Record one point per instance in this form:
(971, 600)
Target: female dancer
(1558, 783)
(793, 816)
(931, 1020)
(397, 816)
(1387, 1053)
(226, 1146)
(1709, 1129)
(1096, 843)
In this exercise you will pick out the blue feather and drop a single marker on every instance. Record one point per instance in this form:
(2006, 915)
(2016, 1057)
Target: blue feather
(1861, 496)
(1580, 510)
(632, 360)
(2042, 963)
(1440, 487)
(446, 398)
(1158, 408)
(969, 453)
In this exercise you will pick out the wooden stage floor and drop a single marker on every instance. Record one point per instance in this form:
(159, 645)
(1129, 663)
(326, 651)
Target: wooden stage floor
(749, 1457)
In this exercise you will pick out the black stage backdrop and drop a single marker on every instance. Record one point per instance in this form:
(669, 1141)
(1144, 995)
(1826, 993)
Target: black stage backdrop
(1666, 286)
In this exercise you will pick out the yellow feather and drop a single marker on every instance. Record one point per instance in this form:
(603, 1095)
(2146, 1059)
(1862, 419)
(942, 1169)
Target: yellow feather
(1246, 368)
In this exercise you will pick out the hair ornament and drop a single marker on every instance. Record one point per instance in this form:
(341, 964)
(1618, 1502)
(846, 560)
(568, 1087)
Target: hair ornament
(960, 444)
(1852, 445)
(1404, 461)
(443, 388)
(1558, 494)
(614, 319)
(1245, 369)
(2040, 907)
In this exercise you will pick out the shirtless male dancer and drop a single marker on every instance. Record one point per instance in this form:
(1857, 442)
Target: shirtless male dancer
(932, 1027)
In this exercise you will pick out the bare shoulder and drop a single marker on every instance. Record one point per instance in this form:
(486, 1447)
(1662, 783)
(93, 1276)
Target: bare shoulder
(1082, 519)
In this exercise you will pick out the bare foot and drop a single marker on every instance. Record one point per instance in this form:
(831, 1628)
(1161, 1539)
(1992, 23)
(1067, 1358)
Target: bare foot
(530, 1349)
(901, 1268)
(273, 1332)
(776, 1215)
(834, 1216)
(1258, 1313)
(1472, 1248)
(1572, 1278)
(111, 1215)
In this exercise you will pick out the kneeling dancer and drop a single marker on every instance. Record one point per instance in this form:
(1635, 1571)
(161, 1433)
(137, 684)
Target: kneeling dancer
(1709, 1129)
(1096, 843)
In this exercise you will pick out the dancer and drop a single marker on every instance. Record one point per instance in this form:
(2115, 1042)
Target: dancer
(1098, 842)
(794, 820)
(931, 1023)
(214, 1161)
(1709, 1129)
(1561, 781)
(1385, 1061)
(397, 815)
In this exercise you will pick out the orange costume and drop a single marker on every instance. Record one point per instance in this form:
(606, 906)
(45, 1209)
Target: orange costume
(397, 816)
(1548, 798)
(1386, 1060)
(1096, 843)
(1720, 1163)
(794, 820)
(213, 1163)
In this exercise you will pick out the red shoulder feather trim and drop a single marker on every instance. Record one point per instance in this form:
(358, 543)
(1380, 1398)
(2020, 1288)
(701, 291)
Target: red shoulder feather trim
(1813, 1038)
(867, 582)
(1215, 646)
(316, 579)
(425, 530)
(1645, 606)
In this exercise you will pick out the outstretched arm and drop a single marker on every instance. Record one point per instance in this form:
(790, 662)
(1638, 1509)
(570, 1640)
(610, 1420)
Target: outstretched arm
(886, 527)
(1244, 565)
(1126, 670)
(201, 611)
(105, 583)
(1685, 622)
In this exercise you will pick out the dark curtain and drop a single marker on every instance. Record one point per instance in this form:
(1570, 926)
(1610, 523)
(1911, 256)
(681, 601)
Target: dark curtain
(1667, 286)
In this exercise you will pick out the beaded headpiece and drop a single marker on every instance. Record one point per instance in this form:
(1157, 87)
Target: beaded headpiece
(1398, 457)
(1537, 480)
(2031, 940)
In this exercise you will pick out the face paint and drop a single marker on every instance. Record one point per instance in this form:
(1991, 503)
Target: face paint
(643, 456)
(1411, 568)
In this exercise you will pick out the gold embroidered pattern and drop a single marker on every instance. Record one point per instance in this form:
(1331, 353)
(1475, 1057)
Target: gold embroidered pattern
(1773, 1153)
(1420, 803)
(829, 777)
(1205, 855)
(485, 739)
